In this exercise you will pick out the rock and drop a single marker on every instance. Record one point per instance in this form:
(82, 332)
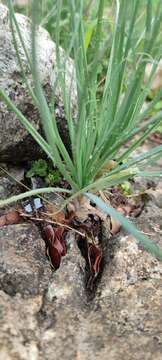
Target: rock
(21, 3)
(63, 307)
(34, 302)
(9, 184)
(125, 321)
(156, 195)
(5, 187)
(49, 315)
(19, 335)
(16, 173)
(24, 275)
(157, 81)
(22, 260)
(16, 144)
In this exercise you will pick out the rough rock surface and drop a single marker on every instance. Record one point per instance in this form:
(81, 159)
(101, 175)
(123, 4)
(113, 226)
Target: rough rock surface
(157, 82)
(15, 143)
(22, 257)
(49, 315)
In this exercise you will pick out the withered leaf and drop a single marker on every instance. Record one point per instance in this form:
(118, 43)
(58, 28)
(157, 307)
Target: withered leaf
(59, 241)
(54, 257)
(95, 258)
(115, 226)
(52, 212)
(12, 217)
(55, 244)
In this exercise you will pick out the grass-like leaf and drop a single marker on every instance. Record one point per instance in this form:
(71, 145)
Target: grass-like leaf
(147, 244)
(29, 193)
(104, 122)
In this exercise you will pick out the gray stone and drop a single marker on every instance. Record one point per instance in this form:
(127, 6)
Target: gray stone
(6, 186)
(34, 301)
(16, 145)
(47, 315)
(19, 334)
(156, 195)
(10, 179)
(22, 259)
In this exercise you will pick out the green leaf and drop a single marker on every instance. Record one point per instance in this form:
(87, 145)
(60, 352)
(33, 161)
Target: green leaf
(147, 244)
(27, 194)
(126, 187)
(30, 173)
(53, 178)
(89, 33)
(103, 123)
(38, 168)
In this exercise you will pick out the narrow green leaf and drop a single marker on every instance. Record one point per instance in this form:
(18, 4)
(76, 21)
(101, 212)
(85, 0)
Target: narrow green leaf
(147, 244)
(88, 34)
(27, 194)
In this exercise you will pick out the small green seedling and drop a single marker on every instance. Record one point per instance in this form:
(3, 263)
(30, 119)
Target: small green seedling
(53, 178)
(126, 188)
(38, 168)
(43, 169)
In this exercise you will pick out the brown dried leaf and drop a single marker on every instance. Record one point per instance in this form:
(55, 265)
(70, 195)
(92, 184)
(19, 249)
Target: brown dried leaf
(115, 226)
(125, 209)
(54, 257)
(52, 212)
(156, 137)
(95, 258)
(82, 209)
(59, 241)
(12, 217)
(55, 244)
(3, 220)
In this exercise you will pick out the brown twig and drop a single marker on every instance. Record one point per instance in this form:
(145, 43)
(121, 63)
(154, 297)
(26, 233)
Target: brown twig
(51, 222)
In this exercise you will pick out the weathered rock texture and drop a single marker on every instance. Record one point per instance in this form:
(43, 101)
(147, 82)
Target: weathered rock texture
(15, 143)
(47, 315)
(157, 82)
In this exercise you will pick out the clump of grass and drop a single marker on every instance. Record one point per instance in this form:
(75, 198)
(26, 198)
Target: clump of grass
(104, 123)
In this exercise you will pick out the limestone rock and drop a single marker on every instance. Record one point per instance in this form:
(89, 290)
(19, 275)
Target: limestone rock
(15, 143)
(49, 315)
(34, 302)
(156, 196)
(157, 81)
(22, 259)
